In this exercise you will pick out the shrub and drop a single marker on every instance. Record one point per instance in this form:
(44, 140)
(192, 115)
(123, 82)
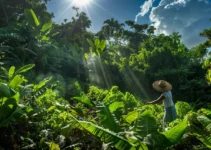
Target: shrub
(182, 108)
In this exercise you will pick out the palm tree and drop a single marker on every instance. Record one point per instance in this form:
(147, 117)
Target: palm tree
(112, 29)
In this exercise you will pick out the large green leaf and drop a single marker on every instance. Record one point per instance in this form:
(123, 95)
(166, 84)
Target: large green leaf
(84, 100)
(46, 26)
(97, 42)
(41, 84)
(25, 68)
(116, 105)
(14, 115)
(156, 141)
(107, 119)
(131, 117)
(146, 124)
(206, 140)
(203, 120)
(106, 135)
(8, 105)
(16, 81)
(175, 134)
(208, 127)
(102, 45)
(5, 91)
(31, 17)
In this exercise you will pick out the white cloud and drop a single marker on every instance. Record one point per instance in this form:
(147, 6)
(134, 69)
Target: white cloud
(188, 17)
(145, 8)
(177, 2)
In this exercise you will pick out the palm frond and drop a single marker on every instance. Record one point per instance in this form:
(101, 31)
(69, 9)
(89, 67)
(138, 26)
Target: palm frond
(108, 119)
(145, 124)
(105, 135)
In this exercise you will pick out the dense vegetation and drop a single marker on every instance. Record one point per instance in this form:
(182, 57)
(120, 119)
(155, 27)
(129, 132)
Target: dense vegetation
(62, 87)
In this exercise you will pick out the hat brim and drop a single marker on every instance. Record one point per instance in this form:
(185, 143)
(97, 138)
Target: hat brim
(156, 86)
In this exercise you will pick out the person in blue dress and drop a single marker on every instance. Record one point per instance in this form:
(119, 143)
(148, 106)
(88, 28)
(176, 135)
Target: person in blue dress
(165, 88)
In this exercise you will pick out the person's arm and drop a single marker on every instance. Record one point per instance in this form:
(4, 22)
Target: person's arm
(160, 99)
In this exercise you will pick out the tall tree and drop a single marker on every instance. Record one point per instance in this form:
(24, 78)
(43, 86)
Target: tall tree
(137, 35)
(74, 31)
(207, 33)
(112, 30)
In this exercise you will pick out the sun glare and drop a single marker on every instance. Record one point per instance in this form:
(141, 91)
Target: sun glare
(81, 3)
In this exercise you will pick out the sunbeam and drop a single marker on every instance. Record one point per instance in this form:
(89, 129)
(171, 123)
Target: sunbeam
(133, 83)
(98, 74)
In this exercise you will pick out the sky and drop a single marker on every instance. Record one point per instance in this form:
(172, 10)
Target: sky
(188, 17)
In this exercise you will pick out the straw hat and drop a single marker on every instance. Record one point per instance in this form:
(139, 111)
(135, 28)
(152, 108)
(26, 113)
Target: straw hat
(162, 86)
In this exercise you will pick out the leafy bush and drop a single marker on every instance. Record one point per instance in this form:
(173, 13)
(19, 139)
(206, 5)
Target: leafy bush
(73, 88)
(182, 109)
(112, 95)
(96, 94)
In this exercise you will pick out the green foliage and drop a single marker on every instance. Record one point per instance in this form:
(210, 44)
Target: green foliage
(41, 84)
(116, 105)
(156, 110)
(31, 17)
(16, 81)
(74, 89)
(46, 26)
(5, 91)
(32, 116)
(8, 104)
(175, 134)
(182, 108)
(106, 135)
(96, 93)
(200, 126)
(115, 95)
(97, 47)
(53, 146)
(84, 100)
(156, 141)
(207, 64)
(111, 96)
(131, 117)
(25, 68)
(108, 119)
(146, 124)
(10, 107)
(167, 138)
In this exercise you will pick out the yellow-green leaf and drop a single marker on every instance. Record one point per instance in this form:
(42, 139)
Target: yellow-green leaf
(116, 105)
(25, 68)
(16, 81)
(30, 15)
(11, 72)
(86, 56)
(131, 116)
(51, 108)
(175, 134)
(97, 42)
(53, 146)
(46, 26)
